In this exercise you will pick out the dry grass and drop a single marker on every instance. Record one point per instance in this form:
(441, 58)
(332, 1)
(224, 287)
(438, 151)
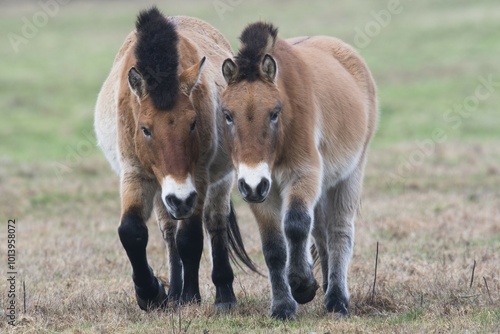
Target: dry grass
(430, 228)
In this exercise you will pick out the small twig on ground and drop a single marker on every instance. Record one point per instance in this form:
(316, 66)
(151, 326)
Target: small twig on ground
(488, 289)
(242, 288)
(172, 322)
(375, 274)
(472, 276)
(187, 325)
(24, 297)
(180, 318)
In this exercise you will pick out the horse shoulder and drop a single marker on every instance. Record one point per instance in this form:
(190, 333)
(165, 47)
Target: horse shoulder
(106, 109)
(126, 103)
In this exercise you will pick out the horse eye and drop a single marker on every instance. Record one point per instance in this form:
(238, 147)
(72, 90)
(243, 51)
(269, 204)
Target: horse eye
(274, 117)
(229, 119)
(193, 125)
(146, 132)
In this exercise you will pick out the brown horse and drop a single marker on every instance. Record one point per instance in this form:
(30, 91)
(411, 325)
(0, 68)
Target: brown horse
(300, 114)
(159, 124)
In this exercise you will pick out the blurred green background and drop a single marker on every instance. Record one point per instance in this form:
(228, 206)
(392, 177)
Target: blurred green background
(427, 57)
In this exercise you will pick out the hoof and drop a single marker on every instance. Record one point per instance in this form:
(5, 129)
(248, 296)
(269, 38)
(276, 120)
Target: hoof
(284, 311)
(224, 307)
(148, 303)
(303, 292)
(341, 309)
(336, 302)
(190, 298)
(173, 296)
(225, 298)
(303, 289)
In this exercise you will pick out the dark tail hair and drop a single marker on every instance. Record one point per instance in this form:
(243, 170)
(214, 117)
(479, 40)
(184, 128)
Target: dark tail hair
(236, 248)
(315, 255)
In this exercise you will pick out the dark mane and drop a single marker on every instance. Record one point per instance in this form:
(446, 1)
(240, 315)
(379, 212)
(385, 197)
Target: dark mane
(256, 40)
(157, 58)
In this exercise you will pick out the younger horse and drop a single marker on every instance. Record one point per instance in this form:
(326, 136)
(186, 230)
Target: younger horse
(158, 122)
(300, 114)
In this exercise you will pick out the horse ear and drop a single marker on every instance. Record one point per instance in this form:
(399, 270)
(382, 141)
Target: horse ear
(229, 70)
(269, 68)
(136, 83)
(191, 77)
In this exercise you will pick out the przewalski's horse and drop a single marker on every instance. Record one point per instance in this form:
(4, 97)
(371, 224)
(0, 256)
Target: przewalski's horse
(300, 114)
(159, 124)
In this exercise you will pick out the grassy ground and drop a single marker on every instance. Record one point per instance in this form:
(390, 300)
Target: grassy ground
(432, 184)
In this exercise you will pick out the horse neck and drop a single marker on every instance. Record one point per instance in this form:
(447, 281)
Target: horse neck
(298, 104)
(205, 98)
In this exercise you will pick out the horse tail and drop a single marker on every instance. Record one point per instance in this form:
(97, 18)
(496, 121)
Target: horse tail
(315, 255)
(236, 248)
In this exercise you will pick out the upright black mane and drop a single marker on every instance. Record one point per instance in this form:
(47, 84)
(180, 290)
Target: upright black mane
(157, 59)
(256, 40)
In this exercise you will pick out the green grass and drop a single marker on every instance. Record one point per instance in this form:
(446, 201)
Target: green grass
(426, 60)
(432, 221)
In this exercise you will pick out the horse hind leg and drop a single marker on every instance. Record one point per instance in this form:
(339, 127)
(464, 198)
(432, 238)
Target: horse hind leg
(137, 198)
(320, 239)
(168, 228)
(343, 203)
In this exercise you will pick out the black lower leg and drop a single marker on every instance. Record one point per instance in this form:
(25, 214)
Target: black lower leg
(190, 246)
(300, 274)
(175, 266)
(275, 253)
(134, 238)
(222, 273)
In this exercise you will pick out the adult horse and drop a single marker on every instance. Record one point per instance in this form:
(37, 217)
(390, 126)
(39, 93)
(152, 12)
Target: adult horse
(157, 120)
(300, 114)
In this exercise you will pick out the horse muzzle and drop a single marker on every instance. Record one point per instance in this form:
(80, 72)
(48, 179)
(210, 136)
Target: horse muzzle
(256, 194)
(181, 208)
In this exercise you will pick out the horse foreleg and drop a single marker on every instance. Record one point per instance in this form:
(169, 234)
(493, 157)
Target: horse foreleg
(299, 202)
(217, 213)
(189, 240)
(274, 247)
(343, 202)
(137, 197)
(168, 228)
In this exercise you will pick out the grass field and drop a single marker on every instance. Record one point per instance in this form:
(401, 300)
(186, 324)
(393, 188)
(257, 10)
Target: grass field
(432, 187)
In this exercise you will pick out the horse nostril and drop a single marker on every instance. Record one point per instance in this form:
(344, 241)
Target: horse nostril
(244, 188)
(190, 201)
(263, 187)
(172, 201)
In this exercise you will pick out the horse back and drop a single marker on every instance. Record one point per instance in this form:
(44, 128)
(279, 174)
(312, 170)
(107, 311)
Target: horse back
(346, 67)
(344, 100)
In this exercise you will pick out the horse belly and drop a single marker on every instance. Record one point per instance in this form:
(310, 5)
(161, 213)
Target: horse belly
(336, 169)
